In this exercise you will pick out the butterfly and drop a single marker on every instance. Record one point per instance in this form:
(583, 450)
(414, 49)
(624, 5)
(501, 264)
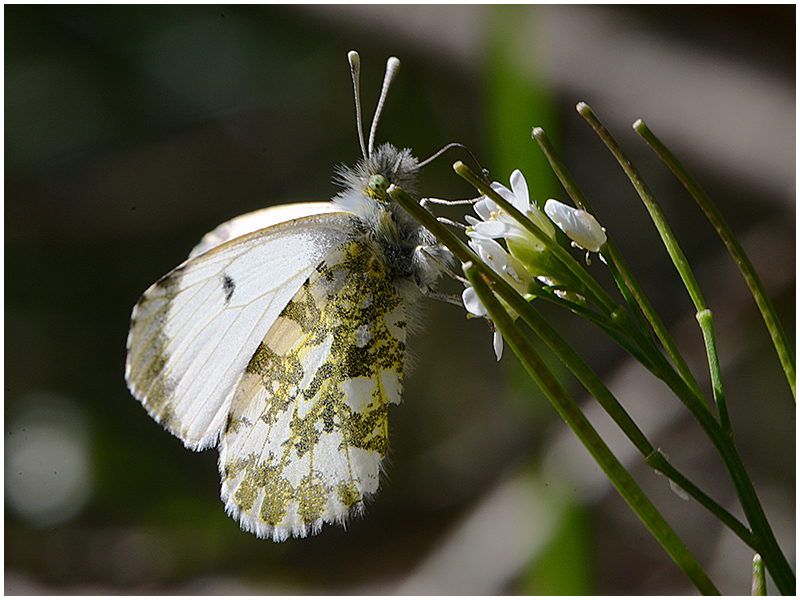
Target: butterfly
(282, 341)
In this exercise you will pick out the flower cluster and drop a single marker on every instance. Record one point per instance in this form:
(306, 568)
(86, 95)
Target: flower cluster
(524, 257)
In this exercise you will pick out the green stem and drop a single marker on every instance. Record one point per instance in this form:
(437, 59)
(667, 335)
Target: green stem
(667, 237)
(611, 405)
(630, 301)
(572, 415)
(560, 169)
(620, 268)
(763, 538)
(706, 321)
(766, 544)
(722, 438)
(664, 230)
(598, 295)
(759, 585)
(778, 335)
(570, 359)
(676, 254)
(659, 462)
(617, 327)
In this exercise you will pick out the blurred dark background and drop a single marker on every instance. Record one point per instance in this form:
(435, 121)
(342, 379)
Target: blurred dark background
(131, 131)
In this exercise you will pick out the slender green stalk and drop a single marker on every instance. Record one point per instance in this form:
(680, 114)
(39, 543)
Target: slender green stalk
(610, 404)
(667, 237)
(659, 462)
(664, 230)
(560, 169)
(675, 253)
(563, 350)
(571, 360)
(658, 366)
(630, 301)
(578, 197)
(766, 544)
(570, 412)
(763, 539)
(620, 268)
(759, 585)
(706, 321)
(721, 438)
(616, 328)
(776, 331)
(596, 293)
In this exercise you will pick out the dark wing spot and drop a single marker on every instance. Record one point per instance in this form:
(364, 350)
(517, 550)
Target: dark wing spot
(228, 286)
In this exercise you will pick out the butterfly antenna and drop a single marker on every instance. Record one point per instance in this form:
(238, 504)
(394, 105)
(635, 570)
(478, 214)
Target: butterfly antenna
(392, 66)
(483, 171)
(355, 71)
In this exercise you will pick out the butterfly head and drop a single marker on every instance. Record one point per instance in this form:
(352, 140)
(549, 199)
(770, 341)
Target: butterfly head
(410, 252)
(367, 183)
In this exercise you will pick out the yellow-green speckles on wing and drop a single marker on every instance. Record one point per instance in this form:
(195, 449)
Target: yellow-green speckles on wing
(147, 369)
(309, 420)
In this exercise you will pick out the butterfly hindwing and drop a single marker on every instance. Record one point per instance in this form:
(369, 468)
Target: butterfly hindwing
(194, 331)
(308, 422)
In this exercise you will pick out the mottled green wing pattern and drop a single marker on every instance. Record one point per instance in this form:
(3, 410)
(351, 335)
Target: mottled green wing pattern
(308, 427)
(194, 330)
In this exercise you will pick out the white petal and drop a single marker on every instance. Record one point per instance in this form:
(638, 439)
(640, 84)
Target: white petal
(472, 303)
(520, 189)
(489, 229)
(504, 192)
(513, 230)
(497, 343)
(491, 253)
(484, 208)
(581, 227)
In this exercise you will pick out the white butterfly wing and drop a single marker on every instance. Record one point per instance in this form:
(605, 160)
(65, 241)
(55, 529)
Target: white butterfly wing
(308, 426)
(260, 219)
(194, 331)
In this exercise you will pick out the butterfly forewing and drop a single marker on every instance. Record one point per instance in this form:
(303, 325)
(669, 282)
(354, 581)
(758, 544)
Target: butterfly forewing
(308, 422)
(194, 331)
(261, 219)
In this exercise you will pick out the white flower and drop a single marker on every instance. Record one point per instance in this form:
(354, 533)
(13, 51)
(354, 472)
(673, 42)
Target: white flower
(497, 223)
(505, 265)
(581, 227)
(475, 306)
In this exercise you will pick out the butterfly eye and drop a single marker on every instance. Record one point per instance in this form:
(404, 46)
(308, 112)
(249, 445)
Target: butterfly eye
(377, 186)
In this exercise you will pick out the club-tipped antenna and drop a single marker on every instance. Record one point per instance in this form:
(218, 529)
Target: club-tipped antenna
(355, 70)
(392, 66)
